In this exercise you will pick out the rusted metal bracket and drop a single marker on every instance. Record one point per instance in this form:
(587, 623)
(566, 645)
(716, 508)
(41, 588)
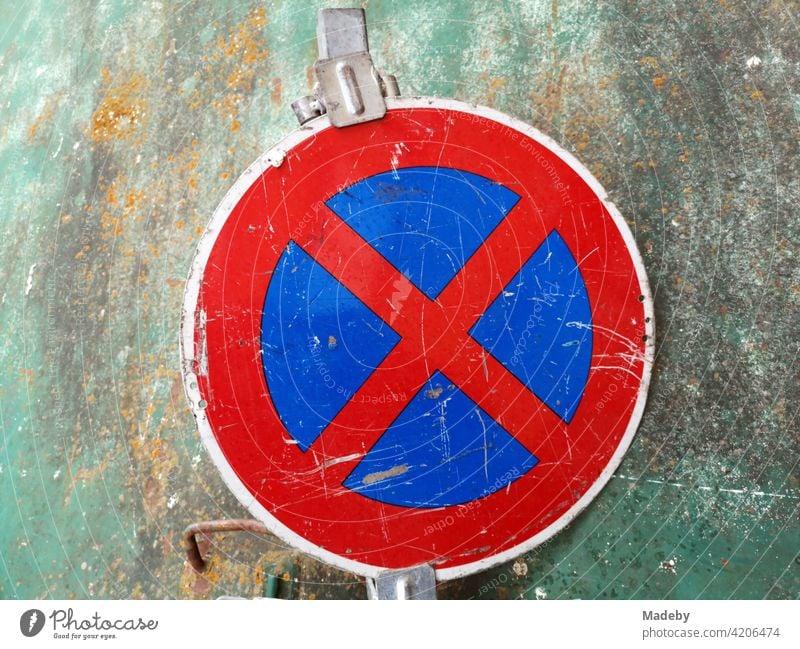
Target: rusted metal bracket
(349, 88)
(418, 582)
(190, 534)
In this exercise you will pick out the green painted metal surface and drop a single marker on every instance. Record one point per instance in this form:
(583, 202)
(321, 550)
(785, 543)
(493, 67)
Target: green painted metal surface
(122, 125)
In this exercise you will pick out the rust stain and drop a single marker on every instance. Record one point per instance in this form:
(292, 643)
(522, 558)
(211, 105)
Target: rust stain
(549, 101)
(276, 96)
(659, 80)
(132, 198)
(494, 86)
(224, 571)
(194, 584)
(176, 389)
(166, 543)
(233, 65)
(45, 116)
(121, 111)
(155, 450)
(153, 494)
(185, 163)
(653, 63)
(84, 474)
(120, 205)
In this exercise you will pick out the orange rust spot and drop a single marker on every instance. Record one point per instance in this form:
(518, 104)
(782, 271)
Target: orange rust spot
(166, 547)
(132, 197)
(548, 100)
(121, 110)
(494, 86)
(276, 96)
(45, 116)
(234, 61)
(659, 80)
(112, 227)
(86, 474)
(152, 493)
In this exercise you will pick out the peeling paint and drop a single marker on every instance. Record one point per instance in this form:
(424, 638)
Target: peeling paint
(372, 478)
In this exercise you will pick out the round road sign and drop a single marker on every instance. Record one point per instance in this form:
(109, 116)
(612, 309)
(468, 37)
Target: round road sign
(421, 339)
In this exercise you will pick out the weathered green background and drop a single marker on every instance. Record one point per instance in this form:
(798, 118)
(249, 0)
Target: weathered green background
(123, 123)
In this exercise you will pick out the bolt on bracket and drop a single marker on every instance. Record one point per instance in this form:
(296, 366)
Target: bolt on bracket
(349, 88)
(418, 582)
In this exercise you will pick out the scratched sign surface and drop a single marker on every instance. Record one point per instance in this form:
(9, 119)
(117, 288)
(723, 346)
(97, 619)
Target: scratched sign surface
(424, 339)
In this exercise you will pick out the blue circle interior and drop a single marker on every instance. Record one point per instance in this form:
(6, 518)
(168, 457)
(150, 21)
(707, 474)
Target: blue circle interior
(320, 342)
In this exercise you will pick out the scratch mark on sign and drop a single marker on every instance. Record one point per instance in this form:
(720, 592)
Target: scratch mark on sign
(584, 258)
(29, 282)
(632, 345)
(616, 367)
(793, 494)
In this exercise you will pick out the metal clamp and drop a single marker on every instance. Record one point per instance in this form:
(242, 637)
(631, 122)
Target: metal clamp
(349, 88)
(414, 583)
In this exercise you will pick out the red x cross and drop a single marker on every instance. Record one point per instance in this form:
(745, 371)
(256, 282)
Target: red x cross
(434, 334)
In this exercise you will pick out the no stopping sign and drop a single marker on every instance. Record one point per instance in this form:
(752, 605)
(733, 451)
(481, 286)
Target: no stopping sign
(421, 339)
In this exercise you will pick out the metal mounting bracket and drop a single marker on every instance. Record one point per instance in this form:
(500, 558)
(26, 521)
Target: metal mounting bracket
(206, 528)
(413, 583)
(349, 88)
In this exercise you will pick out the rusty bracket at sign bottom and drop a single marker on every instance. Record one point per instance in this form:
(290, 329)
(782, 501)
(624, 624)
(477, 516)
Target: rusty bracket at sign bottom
(193, 554)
